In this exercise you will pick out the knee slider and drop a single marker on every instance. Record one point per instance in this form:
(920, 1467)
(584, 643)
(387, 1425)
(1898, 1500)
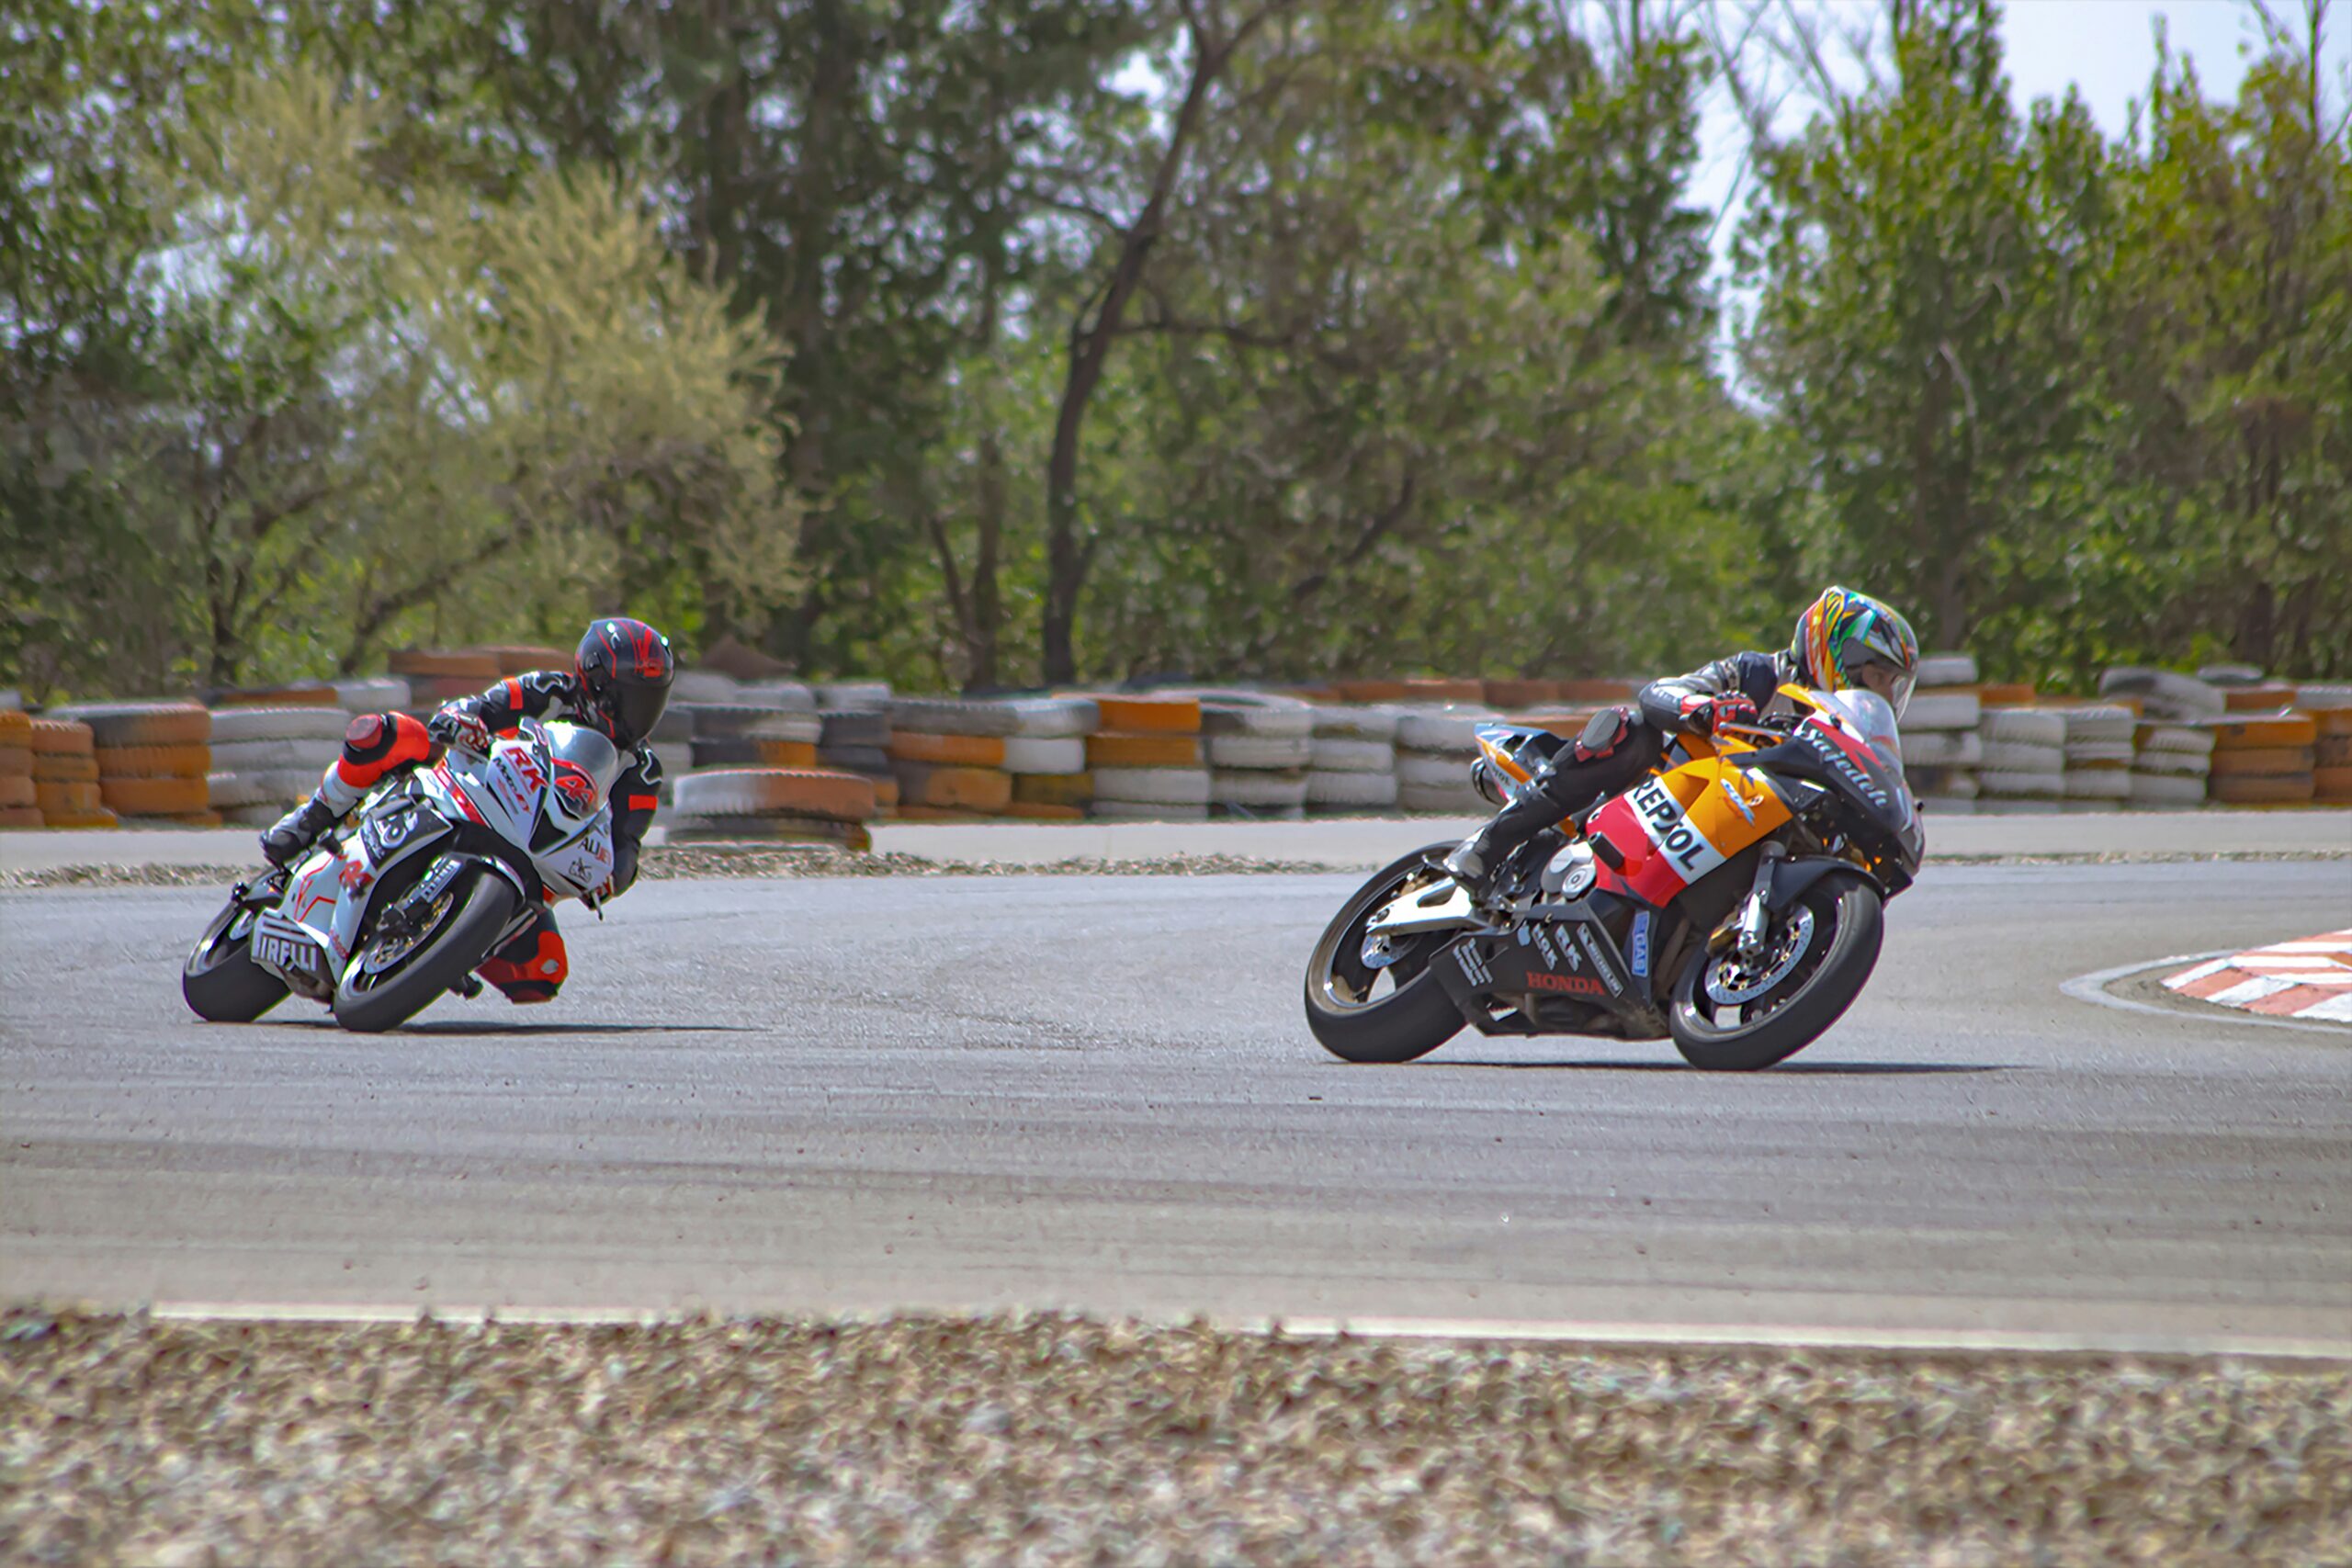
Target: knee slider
(1604, 735)
(364, 737)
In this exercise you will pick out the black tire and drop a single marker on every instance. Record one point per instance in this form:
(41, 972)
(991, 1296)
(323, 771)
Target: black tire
(220, 982)
(475, 917)
(1414, 1019)
(1798, 1009)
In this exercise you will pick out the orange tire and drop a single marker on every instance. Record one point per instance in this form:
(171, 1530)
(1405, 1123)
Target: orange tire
(1149, 716)
(2333, 784)
(1053, 789)
(942, 814)
(2262, 761)
(279, 697)
(955, 789)
(97, 816)
(1521, 693)
(154, 761)
(1427, 689)
(200, 819)
(948, 751)
(886, 794)
(2335, 723)
(1042, 811)
(1142, 751)
(144, 723)
(15, 728)
(1599, 692)
(2263, 789)
(2332, 751)
(59, 736)
(16, 792)
(54, 797)
(57, 767)
(2016, 695)
(21, 816)
(156, 797)
(2267, 697)
(18, 760)
(782, 791)
(434, 663)
(1369, 691)
(2247, 734)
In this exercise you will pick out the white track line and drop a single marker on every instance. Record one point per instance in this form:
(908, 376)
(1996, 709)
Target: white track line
(2093, 988)
(1665, 1336)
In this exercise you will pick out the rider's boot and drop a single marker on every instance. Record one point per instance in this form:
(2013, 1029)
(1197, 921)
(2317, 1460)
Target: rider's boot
(296, 831)
(1473, 864)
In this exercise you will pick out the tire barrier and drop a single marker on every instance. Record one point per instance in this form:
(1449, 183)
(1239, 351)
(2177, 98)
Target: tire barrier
(150, 760)
(752, 793)
(1045, 754)
(951, 750)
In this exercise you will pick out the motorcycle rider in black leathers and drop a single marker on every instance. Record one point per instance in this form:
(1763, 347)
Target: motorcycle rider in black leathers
(1843, 640)
(618, 685)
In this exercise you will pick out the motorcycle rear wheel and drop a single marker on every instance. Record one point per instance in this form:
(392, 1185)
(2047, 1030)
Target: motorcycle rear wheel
(220, 982)
(1841, 949)
(1350, 1017)
(455, 941)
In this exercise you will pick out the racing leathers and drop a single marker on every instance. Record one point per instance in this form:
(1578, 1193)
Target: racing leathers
(1618, 748)
(532, 966)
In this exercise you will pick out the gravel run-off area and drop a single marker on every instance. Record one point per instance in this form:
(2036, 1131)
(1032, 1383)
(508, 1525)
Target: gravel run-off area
(1050, 1440)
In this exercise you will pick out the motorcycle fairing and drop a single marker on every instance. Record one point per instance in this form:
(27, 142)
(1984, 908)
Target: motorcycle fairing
(1561, 953)
(1671, 830)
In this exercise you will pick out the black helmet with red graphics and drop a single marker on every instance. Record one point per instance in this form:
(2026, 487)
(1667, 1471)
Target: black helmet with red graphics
(626, 668)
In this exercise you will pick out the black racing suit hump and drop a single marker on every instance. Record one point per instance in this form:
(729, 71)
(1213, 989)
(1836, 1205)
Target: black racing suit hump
(1756, 676)
(557, 694)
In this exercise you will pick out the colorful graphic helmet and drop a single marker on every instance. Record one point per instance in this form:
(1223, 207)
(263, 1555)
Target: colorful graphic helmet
(626, 668)
(1848, 641)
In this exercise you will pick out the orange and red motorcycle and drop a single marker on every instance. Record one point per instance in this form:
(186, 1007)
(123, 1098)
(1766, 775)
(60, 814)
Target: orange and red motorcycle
(1731, 900)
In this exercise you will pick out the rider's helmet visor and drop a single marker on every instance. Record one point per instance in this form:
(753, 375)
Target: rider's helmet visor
(1877, 675)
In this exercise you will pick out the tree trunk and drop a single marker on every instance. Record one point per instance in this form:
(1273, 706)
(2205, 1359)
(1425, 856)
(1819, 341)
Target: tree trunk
(1067, 555)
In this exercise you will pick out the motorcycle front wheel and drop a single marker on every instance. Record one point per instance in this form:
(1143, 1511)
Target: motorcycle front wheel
(397, 976)
(1390, 1013)
(220, 982)
(1735, 1015)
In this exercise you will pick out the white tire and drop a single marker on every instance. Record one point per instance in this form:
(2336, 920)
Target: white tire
(1421, 770)
(1942, 748)
(1357, 723)
(2176, 738)
(789, 696)
(2174, 764)
(2316, 699)
(867, 696)
(1224, 712)
(1053, 718)
(947, 716)
(1045, 754)
(1941, 710)
(2098, 783)
(1955, 784)
(2168, 789)
(765, 792)
(1344, 754)
(280, 787)
(744, 721)
(374, 693)
(2163, 695)
(2082, 752)
(1152, 786)
(704, 686)
(676, 761)
(1148, 811)
(257, 756)
(1257, 788)
(1948, 670)
(2100, 724)
(238, 725)
(2016, 756)
(1450, 730)
(1351, 790)
(1260, 751)
(1463, 801)
(2029, 727)
(2000, 782)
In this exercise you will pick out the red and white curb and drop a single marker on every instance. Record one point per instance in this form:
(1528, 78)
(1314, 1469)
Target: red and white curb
(2310, 977)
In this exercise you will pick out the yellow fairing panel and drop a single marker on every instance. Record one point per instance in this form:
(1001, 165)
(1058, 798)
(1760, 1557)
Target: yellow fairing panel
(1731, 809)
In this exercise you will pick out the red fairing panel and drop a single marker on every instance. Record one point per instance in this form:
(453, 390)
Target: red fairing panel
(1648, 876)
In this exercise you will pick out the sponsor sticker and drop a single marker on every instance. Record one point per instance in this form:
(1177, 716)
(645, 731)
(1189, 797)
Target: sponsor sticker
(1569, 985)
(1601, 964)
(1473, 966)
(1640, 944)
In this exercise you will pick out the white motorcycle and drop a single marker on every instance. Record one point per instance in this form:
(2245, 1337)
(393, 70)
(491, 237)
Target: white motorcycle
(447, 865)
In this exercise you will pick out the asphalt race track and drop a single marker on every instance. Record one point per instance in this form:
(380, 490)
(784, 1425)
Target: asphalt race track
(1097, 1092)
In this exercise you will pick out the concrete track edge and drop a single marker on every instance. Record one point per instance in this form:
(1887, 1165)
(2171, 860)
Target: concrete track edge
(1730, 1336)
(2093, 988)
